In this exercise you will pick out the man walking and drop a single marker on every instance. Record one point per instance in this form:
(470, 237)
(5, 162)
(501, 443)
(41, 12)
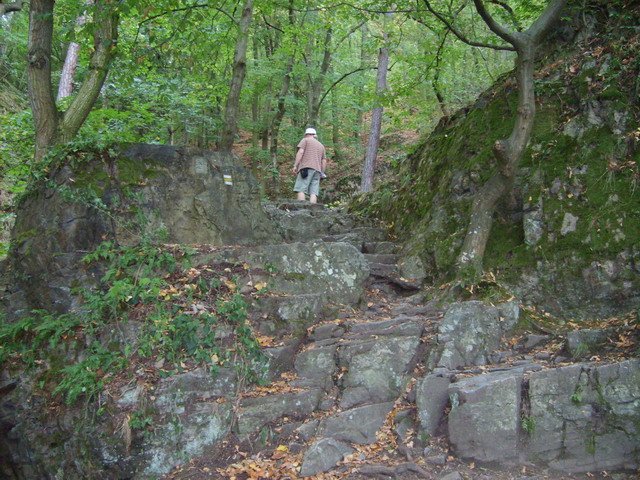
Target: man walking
(311, 161)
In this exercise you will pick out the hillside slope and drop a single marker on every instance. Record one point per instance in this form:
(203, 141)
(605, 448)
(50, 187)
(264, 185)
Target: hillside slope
(569, 238)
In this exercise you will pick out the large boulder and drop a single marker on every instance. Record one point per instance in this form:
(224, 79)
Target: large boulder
(485, 416)
(578, 418)
(377, 370)
(184, 195)
(470, 331)
(337, 270)
(586, 417)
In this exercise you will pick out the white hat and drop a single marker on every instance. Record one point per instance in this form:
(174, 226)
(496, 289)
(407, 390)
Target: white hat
(310, 131)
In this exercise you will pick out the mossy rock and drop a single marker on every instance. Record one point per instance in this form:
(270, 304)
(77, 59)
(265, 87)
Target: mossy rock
(177, 195)
(579, 163)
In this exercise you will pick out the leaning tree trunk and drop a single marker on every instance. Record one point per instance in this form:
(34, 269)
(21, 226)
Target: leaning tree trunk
(105, 37)
(369, 166)
(237, 79)
(508, 152)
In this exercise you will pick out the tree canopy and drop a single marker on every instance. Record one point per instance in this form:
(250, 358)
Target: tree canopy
(248, 76)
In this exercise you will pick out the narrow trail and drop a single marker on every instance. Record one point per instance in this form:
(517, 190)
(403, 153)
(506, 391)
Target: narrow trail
(344, 404)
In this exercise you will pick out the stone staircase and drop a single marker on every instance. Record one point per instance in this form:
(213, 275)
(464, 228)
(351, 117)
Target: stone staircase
(381, 377)
(367, 380)
(338, 370)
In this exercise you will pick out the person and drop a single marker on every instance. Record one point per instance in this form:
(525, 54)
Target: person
(309, 166)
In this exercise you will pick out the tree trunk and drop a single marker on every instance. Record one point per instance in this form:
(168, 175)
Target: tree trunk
(436, 77)
(315, 87)
(43, 107)
(237, 79)
(280, 111)
(49, 127)
(104, 43)
(65, 87)
(360, 91)
(369, 166)
(508, 152)
(255, 103)
(335, 127)
(276, 121)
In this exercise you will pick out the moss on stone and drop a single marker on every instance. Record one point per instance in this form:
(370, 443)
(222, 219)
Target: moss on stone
(578, 162)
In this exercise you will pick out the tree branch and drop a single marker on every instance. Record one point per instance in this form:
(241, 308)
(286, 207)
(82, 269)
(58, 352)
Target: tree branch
(494, 26)
(11, 7)
(509, 11)
(351, 32)
(546, 19)
(181, 9)
(334, 84)
(460, 36)
(350, 5)
(274, 27)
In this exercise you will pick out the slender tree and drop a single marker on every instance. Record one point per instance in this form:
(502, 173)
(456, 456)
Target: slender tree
(237, 79)
(316, 83)
(371, 154)
(65, 87)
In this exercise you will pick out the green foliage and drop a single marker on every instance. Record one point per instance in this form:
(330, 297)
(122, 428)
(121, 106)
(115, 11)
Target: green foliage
(140, 420)
(87, 377)
(39, 330)
(135, 283)
(16, 151)
(576, 396)
(529, 425)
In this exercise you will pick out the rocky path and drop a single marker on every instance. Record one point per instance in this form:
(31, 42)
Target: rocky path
(361, 376)
(399, 388)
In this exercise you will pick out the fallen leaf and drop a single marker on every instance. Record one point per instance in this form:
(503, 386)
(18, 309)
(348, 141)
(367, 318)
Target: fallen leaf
(265, 341)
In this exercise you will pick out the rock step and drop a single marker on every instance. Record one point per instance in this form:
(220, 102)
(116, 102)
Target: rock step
(354, 239)
(380, 247)
(298, 205)
(255, 412)
(401, 325)
(384, 270)
(372, 234)
(381, 258)
(285, 314)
